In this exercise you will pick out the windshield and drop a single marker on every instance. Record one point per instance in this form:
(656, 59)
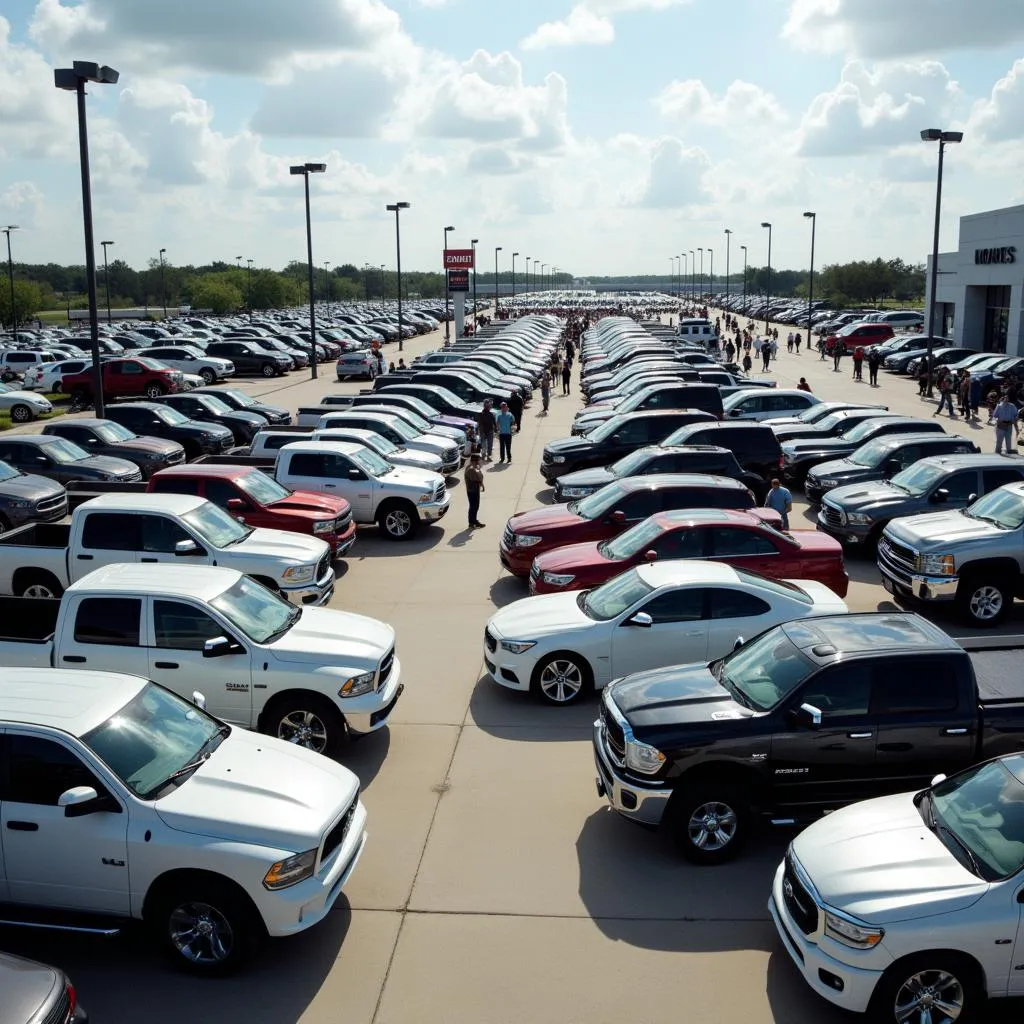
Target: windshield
(153, 736)
(111, 432)
(263, 489)
(212, 402)
(979, 815)
(8, 472)
(406, 432)
(765, 671)
(631, 464)
(255, 611)
(63, 451)
(601, 501)
(872, 454)
(606, 429)
(242, 399)
(861, 431)
(215, 527)
(636, 538)
(614, 597)
(169, 415)
(815, 413)
(1001, 507)
(370, 462)
(918, 478)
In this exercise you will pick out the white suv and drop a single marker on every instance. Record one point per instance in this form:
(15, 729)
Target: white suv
(191, 360)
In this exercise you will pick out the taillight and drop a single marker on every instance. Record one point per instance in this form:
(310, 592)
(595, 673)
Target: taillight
(781, 462)
(72, 1001)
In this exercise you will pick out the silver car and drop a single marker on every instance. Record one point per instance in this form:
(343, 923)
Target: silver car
(191, 360)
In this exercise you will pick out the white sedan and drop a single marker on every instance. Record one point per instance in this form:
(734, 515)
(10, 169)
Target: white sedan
(22, 406)
(560, 645)
(768, 403)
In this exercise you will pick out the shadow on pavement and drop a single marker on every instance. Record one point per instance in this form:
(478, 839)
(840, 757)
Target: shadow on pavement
(546, 496)
(365, 756)
(791, 1000)
(495, 709)
(371, 544)
(507, 589)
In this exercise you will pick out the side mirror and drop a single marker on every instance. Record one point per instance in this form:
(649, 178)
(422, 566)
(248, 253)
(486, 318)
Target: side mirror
(618, 516)
(941, 496)
(216, 647)
(650, 556)
(199, 700)
(734, 412)
(937, 779)
(641, 619)
(184, 548)
(971, 499)
(82, 800)
(893, 466)
(356, 474)
(236, 505)
(739, 643)
(809, 715)
(75, 797)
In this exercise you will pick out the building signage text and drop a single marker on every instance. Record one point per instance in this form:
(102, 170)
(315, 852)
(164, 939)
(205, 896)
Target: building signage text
(1004, 254)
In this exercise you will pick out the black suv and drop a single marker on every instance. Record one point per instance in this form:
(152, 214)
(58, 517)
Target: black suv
(754, 444)
(210, 409)
(663, 395)
(831, 425)
(149, 419)
(250, 358)
(617, 437)
(660, 458)
(242, 402)
(105, 437)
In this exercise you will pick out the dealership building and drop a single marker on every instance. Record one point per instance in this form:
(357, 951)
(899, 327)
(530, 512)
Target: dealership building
(980, 288)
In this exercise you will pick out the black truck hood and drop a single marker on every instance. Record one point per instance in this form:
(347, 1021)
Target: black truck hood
(878, 497)
(837, 446)
(678, 695)
(570, 446)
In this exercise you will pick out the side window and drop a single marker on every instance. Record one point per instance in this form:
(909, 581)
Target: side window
(307, 464)
(108, 620)
(339, 465)
(182, 627)
(160, 534)
(753, 404)
(632, 432)
(112, 531)
(681, 544)
(962, 485)
(906, 456)
(174, 485)
(732, 542)
(219, 491)
(676, 606)
(993, 478)
(840, 692)
(117, 366)
(41, 770)
(639, 505)
(736, 604)
(921, 685)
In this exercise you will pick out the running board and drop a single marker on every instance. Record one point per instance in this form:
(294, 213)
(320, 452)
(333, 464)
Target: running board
(78, 929)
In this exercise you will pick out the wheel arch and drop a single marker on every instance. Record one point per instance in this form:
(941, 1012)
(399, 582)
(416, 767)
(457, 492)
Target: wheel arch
(588, 668)
(175, 877)
(718, 773)
(291, 694)
(996, 566)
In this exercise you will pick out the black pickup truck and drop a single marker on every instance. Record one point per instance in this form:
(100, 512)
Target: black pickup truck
(807, 717)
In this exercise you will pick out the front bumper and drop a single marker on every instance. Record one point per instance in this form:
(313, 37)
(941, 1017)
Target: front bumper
(372, 711)
(430, 513)
(517, 562)
(341, 542)
(919, 587)
(509, 670)
(644, 803)
(315, 594)
(844, 532)
(551, 471)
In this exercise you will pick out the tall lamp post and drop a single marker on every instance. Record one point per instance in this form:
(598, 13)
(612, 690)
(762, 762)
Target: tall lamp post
(472, 243)
(941, 137)
(497, 249)
(543, 269)
(383, 302)
(728, 242)
(397, 208)
(711, 277)
(682, 275)
(744, 248)
(672, 274)
(701, 252)
(447, 294)
(810, 284)
(514, 255)
(306, 170)
(10, 274)
(768, 283)
(327, 281)
(163, 286)
(73, 79)
(106, 276)
(248, 286)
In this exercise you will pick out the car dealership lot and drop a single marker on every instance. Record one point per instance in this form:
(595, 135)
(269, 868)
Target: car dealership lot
(496, 886)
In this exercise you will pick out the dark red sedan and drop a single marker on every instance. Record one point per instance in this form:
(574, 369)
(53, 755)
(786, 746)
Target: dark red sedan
(741, 539)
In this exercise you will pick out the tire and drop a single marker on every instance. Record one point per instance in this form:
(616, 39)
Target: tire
(398, 520)
(709, 822)
(984, 600)
(209, 377)
(21, 413)
(307, 720)
(561, 679)
(954, 979)
(39, 585)
(154, 390)
(205, 927)
(268, 370)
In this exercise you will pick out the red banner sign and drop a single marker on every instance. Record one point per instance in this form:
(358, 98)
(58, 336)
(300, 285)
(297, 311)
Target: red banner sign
(458, 259)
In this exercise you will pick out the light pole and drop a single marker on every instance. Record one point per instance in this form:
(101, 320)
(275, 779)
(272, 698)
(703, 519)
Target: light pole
(106, 276)
(543, 285)
(810, 284)
(728, 243)
(941, 137)
(497, 249)
(397, 209)
(744, 248)
(711, 277)
(447, 294)
(163, 288)
(526, 283)
(672, 274)
(514, 255)
(701, 251)
(248, 286)
(383, 303)
(73, 79)
(306, 170)
(10, 275)
(768, 282)
(683, 266)
(327, 279)
(472, 243)
(693, 272)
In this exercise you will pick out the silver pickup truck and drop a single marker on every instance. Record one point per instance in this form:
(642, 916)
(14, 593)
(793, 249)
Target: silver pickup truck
(973, 556)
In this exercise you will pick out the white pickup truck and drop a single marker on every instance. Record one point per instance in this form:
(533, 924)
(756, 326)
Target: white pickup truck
(307, 675)
(42, 559)
(125, 802)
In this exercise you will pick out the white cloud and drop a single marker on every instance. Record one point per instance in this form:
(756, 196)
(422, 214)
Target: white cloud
(675, 176)
(21, 202)
(886, 106)
(743, 105)
(589, 23)
(884, 29)
(1000, 118)
(492, 160)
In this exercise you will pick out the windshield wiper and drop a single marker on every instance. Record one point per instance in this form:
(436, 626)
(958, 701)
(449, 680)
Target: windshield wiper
(202, 755)
(971, 859)
(294, 617)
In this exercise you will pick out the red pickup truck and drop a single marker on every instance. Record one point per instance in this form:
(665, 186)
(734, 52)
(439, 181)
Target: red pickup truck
(134, 377)
(258, 500)
(740, 539)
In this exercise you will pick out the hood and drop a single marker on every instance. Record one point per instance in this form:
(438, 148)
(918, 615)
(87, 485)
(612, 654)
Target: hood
(459, 422)
(568, 445)
(814, 542)
(325, 637)
(878, 861)
(406, 476)
(31, 397)
(29, 487)
(539, 616)
(674, 695)
(573, 556)
(545, 519)
(261, 790)
(295, 548)
(312, 503)
(595, 478)
(844, 469)
(196, 429)
(874, 494)
(798, 431)
(589, 421)
(417, 459)
(945, 529)
(250, 419)
(820, 444)
(105, 464)
(156, 446)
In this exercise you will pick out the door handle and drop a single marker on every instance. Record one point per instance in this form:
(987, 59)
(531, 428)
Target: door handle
(954, 732)
(859, 735)
(165, 664)
(330, 485)
(147, 559)
(84, 558)
(23, 826)
(75, 659)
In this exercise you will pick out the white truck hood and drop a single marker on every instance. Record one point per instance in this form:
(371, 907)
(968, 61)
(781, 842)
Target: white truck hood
(940, 528)
(879, 861)
(326, 637)
(539, 616)
(405, 478)
(280, 546)
(425, 461)
(260, 790)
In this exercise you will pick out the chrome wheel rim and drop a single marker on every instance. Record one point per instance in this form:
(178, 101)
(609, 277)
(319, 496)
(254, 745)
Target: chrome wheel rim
(208, 376)
(712, 826)
(561, 680)
(397, 522)
(268, 371)
(39, 590)
(201, 933)
(929, 997)
(20, 414)
(986, 603)
(304, 729)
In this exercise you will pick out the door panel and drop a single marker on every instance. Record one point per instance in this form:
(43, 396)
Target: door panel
(106, 635)
(678, 633)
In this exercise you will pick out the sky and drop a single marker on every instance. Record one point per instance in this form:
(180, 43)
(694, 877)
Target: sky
(598, 136)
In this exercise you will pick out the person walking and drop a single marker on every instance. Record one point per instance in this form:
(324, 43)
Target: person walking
(874, 361)
(1006, 417)
(566, 376)
(796, 341)
(803, 385)
(485, 430)
(766, 354)
(946, 398)
(545, 393)
(757, 347)
(975, 395)
(474, 481)
(780, 499)
(838, 351)
(858, 363)
(747, 362)
(505, 421)
(821, 348)
(789, 342)
(515, 406)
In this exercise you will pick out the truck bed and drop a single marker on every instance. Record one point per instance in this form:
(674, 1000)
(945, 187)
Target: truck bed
(27, 620)
(38, 535)
(81, 491)
(249, 461)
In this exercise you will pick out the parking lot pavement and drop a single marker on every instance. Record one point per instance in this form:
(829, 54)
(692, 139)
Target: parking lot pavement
(495, 886)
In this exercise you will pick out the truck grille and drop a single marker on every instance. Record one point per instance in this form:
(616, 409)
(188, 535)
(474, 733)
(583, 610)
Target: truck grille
(451, 455)
(439, 492)
(226, 443)
(58, 1013)
(490, 641)
(386, 664)
(546, 458)
(535, 571)
(341, 524)
(53, 508)
(508, 538)
(613, 735)
(833, 516)
(337, 834)
(174, 458)
(799, 903)
(323, 568)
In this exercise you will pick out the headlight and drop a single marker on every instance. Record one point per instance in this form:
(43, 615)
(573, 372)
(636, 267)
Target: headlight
(357, 685)
(517, 646)
(425, 499)
(858, 519)
(852, 933)
(323, 526)
(574, 492)
(557, 579)
(935, 565)
(829, 482)
(290, 870)
(299, 573)
(640, 757)
(558, 458)
(527, 540)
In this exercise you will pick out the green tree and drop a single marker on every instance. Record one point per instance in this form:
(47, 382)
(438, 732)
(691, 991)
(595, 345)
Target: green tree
(28, 300)
(215, 292)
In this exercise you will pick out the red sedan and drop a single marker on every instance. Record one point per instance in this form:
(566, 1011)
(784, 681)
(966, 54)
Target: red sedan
(740, 539)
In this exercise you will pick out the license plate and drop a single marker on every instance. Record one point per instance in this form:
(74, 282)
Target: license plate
(887, 583)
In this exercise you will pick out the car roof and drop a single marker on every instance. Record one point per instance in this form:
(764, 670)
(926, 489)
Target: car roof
(687, 449)
(685, 570)
(700, 516)
(832, 636)
(972, 460)
(642, 414)
(178, 504)
(203, 469)
(72, 701)
(653, 480)
(165, 579)
(318, 447)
